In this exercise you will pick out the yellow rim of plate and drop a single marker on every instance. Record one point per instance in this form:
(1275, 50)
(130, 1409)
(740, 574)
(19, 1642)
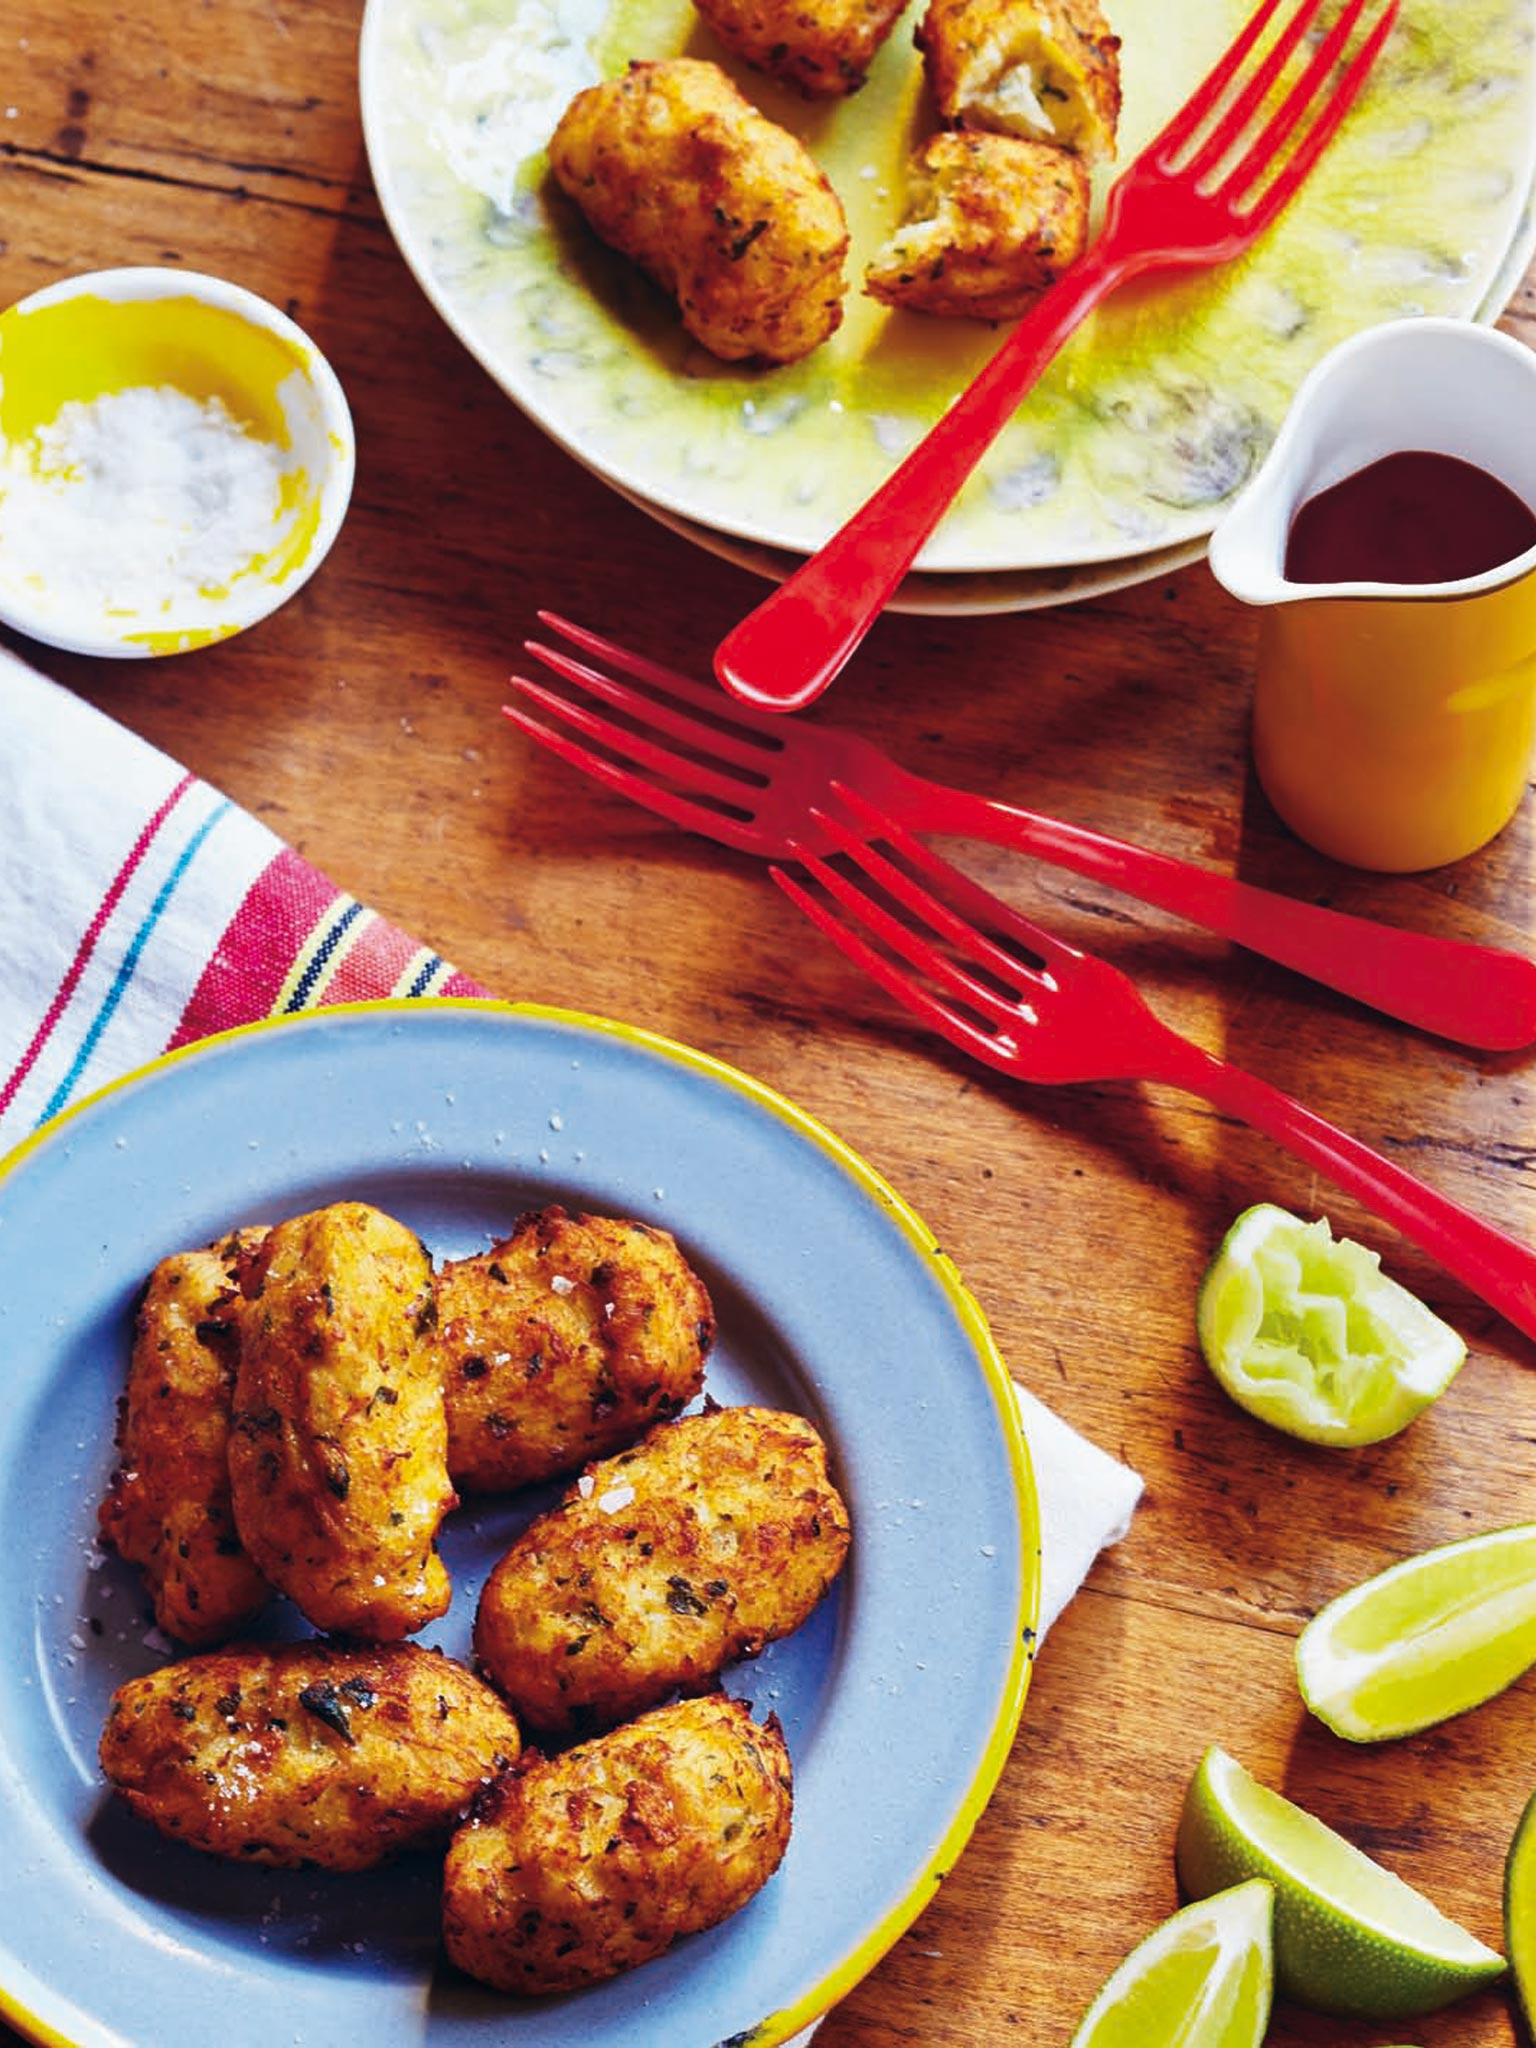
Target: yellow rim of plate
(780, 2026)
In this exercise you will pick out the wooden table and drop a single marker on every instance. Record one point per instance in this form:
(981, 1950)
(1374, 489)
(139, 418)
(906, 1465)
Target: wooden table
(361, 722)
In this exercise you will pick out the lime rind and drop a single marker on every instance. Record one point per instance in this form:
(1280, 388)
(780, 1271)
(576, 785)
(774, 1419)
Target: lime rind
(1520, 1914)
(1306, 1332)
(1203, 1979)
(1429, 1638)
(1350, 1937)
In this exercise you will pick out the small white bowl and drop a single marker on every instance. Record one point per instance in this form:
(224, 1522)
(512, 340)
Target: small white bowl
(176, 458)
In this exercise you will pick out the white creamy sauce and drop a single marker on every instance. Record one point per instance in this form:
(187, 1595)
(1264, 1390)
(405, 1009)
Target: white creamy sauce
(501, 84)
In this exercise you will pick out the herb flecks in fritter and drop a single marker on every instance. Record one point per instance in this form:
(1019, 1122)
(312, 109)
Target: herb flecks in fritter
(564, 1343)
(168, 1507)
(992, 221)
(590, 1863)
(338, 1455)
(823, 48)
(1047, 70)
(714, 1535)
(721, 207)
(308, 1753)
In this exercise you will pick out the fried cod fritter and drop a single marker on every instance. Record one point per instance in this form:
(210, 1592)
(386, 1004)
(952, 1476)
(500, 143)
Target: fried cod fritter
(714, 1535)
(1048, 70)
(823, 48)
(307, 1753)
(338, 1453)
(991, 222)
(167, 1507)
(564, 1343)
(592, 1862)
(723, 209)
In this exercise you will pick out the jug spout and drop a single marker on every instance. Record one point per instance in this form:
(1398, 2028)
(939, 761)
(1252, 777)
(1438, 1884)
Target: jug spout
(1248, 548)
(1444, 386)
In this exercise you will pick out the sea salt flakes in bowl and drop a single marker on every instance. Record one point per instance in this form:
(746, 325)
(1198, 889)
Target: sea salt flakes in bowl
(176, 457)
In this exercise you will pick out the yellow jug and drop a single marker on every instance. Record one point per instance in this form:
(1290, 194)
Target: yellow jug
(1393, 724)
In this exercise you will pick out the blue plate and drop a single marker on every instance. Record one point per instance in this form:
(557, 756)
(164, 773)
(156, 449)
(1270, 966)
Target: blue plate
(899, 1697)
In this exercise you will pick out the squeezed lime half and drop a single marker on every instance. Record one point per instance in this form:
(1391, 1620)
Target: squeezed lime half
(1350, 1937)
(1425, 1639)
(1305, 1331)
(1204, 1979)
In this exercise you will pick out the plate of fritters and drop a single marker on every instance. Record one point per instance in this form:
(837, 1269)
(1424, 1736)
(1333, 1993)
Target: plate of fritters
(535, 230)
(513, 1528)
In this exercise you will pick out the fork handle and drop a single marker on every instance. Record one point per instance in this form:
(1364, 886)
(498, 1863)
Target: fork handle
(784, 654)
(1498, 1268)
(1476, 995)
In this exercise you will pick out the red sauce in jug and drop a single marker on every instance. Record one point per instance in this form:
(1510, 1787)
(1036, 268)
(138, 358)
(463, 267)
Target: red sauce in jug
(1415, 517)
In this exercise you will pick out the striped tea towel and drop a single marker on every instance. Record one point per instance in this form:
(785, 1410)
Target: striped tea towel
(141, 910)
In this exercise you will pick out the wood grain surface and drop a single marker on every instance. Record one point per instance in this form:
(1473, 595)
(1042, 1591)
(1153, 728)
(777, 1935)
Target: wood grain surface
(362, 723)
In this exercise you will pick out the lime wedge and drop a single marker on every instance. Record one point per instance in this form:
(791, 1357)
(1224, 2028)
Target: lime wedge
(1520, 1913)
(1201, 1980)
(1426, 1639)
(1305, 1331)
(1350, 1938)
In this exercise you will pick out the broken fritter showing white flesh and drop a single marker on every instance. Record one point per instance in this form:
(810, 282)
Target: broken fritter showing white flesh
(991, 222)
(1045, 70)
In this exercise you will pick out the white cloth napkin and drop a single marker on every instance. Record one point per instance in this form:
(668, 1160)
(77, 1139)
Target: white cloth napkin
(1087, 1499)
(140, 909)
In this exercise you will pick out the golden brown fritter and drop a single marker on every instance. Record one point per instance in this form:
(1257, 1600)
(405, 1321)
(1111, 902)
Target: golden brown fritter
(585, 1865)
(338, 1454)
(1048, 70)
(823, 48)
(565, 1343)
(167, 1506)
(722, 208)
(307, 1753)
(991, 222)
(714, 1535)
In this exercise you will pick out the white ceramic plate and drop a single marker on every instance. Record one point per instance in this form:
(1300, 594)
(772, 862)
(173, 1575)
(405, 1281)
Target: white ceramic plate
(899, 1697)
(1139, 434)
(937, 595)
(1026, 590)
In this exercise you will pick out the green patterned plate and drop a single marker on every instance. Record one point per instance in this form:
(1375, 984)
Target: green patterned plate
(1029, 590)
(1141, 431)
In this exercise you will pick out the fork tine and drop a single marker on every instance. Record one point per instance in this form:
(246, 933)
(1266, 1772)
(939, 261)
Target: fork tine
(893, 979)
(1253, 95)
(627, 661)
(1307, 89)
(912, 946)
(978, 906)
(1282, 190)
(664, 802)
(747, 752)
(697, 777)
(1208, 93)
(721, 710)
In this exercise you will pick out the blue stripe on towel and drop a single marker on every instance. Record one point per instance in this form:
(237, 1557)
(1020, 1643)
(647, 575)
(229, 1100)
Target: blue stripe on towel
(423, 980)
(130, 961)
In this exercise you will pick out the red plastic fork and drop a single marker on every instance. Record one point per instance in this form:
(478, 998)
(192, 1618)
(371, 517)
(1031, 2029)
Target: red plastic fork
(1196, 196)
(999, 986)
(750, 780)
